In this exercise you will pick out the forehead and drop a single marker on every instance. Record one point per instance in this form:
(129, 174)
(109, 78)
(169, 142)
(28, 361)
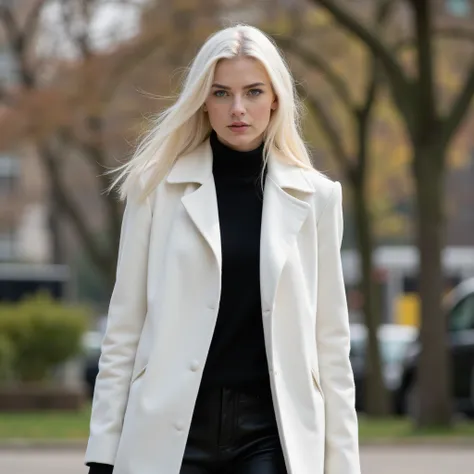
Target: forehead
(239, 72)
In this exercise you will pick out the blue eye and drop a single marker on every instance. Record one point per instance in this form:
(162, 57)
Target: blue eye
(220, 93)
(255, 92)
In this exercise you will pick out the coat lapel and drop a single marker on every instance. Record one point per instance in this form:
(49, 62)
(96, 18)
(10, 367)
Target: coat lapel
(200, 201)
(284, 212)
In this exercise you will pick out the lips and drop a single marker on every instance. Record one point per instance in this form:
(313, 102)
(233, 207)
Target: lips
(238, 125)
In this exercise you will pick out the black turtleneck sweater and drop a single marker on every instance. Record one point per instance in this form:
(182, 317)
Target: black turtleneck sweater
(237, 357)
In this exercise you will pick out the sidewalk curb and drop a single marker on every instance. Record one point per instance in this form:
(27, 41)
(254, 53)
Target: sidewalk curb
(80, 445)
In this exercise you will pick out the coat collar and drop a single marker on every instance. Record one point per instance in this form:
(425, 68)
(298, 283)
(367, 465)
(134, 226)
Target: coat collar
(196, 167)
(286, 205)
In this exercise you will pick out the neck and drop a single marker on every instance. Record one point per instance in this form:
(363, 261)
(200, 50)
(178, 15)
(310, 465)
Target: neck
(254, 145)
(233, 163)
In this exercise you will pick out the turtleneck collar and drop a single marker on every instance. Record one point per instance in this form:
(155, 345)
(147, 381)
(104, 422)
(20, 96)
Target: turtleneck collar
(233, 163)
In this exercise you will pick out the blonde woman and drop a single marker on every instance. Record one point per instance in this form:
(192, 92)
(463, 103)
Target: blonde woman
(227, 343)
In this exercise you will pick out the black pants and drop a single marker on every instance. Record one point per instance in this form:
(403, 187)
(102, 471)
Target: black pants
(233, 432)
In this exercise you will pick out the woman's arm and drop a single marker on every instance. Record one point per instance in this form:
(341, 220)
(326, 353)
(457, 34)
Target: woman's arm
(333, 343)
(127, 312)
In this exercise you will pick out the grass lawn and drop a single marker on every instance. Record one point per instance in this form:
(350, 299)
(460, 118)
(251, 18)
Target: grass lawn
(75, 426)
(399, 428)
(45, 425)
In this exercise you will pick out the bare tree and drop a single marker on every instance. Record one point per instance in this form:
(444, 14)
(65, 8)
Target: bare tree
(92, 69)
(431, 130)
(354, 168)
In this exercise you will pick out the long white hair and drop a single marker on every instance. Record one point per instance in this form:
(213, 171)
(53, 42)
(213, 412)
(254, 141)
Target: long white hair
(184, 125)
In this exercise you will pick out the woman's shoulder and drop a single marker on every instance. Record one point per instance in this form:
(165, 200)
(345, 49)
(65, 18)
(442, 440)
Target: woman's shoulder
(324, 186)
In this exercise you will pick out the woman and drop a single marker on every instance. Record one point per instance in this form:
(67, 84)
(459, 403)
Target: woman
(226, 349)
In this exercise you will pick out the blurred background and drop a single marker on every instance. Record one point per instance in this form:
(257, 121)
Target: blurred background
(388, 89)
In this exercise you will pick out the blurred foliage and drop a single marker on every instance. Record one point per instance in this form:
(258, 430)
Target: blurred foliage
(7, 351)
(390, 151)
(37, 334)
(87, 104)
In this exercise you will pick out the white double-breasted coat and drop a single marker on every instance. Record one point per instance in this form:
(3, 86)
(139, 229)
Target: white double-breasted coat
(164, 308)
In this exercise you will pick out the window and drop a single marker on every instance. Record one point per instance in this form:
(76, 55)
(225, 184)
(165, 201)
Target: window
(460, 8)
(8, 75)
(9, 173)
(7, 246)
(462, 316)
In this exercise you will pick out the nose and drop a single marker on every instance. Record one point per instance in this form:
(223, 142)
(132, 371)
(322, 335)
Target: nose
(238, 109)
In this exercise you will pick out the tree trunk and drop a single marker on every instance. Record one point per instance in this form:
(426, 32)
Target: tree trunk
(102, 255)
(434, 382)
(376, 402)
(54, 224)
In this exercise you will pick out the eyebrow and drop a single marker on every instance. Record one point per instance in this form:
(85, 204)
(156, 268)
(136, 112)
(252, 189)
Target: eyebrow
(255, 84)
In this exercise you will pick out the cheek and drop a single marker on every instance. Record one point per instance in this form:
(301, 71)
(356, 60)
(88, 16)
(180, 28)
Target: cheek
(214, 112)
(262, 111)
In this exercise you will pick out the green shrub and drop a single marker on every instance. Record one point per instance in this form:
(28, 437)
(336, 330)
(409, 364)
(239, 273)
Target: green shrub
(7, 352)
(43, 333)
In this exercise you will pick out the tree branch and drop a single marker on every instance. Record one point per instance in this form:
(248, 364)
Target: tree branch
(95, 155)
(65, 202)
(11, 26)
(363, 114)
(426, 87)
(333, 136)
(17, 42)
(399, 82)
(31, 22)
(316, 61)
(129, 60)
(81, 38)
(461, 34)
(383, 10)
(382, 15)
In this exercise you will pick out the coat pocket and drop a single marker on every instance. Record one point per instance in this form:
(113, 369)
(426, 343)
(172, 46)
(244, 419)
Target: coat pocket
(316, 382)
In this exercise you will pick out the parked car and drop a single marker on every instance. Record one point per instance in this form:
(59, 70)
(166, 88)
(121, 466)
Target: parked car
(394, 341)
(459, 306)
(92, 342)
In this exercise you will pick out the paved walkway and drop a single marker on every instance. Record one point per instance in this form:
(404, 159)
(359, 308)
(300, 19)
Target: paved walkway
(375, 460)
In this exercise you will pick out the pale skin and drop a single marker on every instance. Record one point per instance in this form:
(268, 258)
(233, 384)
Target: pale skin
(240, 102)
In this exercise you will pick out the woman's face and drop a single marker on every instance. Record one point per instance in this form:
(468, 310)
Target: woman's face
(240, 102)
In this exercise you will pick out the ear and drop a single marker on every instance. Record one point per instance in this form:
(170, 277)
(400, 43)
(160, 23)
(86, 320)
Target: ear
(274, 105)
(204, 108)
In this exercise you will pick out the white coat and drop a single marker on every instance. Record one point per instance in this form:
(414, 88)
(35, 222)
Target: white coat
(164, 308)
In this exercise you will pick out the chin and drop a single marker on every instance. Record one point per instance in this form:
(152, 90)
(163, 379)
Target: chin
(245, 142)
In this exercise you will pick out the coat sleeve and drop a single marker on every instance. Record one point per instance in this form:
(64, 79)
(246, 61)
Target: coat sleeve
(333, 343)
(126, 316)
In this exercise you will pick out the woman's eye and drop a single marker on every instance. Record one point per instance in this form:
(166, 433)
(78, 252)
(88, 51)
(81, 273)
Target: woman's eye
(220, 93)
(255, 92)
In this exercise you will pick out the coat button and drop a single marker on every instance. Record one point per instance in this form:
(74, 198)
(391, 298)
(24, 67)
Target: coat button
(179, 425)
(194, 365)
(267, 312)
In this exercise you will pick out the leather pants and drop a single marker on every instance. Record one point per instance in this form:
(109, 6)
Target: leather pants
(233, 432)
